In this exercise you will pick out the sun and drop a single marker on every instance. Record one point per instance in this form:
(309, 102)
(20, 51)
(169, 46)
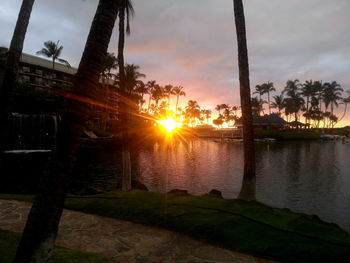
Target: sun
(169, 124)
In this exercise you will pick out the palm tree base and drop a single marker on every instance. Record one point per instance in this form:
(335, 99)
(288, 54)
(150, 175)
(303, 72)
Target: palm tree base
(248, 190)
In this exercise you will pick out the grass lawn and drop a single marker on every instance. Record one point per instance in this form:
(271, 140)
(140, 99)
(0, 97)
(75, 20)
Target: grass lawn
(248, 227)
(287, 135)
(9, 242)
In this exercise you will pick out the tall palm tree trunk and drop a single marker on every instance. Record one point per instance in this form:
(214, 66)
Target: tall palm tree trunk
(248, 185)
(268, 98)
(126, 179)
(41, 228)
(11, 70)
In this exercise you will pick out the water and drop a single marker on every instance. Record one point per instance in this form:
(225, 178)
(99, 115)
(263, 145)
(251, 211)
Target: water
(310, 177)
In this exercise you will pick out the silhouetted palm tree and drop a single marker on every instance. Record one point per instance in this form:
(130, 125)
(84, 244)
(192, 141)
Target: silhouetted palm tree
(332, 94)
(249, 177)
(127, 8)
(278, 103)
(178, 91)
(40, 232)
(193, 111)
(345, 101)
(218, 108)
(168, 91)
(294, 103)
(8, 84)
(110, 62)
(150, 86)
(157, 94)
(132, 78)
(235, 109)
(266, 89)
(259, 89)
(256, 106)
(308, 90)
(142, 89)
(207, 114)
(53, 50)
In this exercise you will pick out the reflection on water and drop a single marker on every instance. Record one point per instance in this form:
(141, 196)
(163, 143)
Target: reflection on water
(310, 177)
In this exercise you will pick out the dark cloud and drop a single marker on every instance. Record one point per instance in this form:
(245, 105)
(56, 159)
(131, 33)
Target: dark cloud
(192, 42)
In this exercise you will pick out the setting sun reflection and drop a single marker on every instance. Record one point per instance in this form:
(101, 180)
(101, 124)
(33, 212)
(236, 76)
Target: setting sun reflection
(169, 124)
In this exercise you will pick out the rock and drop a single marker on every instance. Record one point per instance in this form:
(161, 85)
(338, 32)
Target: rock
(178, 192)
(215, 193)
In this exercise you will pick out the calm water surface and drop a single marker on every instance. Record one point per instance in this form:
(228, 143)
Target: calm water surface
(309, 177)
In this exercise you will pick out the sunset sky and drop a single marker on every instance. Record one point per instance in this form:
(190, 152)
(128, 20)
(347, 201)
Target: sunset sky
(192, 42)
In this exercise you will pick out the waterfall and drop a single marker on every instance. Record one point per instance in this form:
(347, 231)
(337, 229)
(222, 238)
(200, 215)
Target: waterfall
(32, 131)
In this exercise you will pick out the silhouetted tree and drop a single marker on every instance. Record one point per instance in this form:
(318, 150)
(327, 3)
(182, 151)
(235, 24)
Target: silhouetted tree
(249, 177)
(8, 84)
(41, 228)
(53, 50)
(127, 8)
(178, 91)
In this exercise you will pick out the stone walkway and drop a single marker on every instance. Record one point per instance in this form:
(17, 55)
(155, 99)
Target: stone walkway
(123, 241)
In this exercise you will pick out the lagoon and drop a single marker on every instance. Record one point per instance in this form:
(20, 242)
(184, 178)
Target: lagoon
(312, 177)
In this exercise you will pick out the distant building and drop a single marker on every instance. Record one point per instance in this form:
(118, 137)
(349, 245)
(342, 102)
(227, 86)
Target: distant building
(266, 122)
(39, 73)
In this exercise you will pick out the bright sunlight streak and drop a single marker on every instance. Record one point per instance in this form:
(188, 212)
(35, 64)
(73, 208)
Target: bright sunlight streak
(169, 124)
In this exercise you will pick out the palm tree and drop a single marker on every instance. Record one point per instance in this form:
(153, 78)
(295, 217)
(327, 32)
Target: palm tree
(278, 103)
(292, 87)
(266, 89)
(53, 50)
(40, 232)
(168, 91)
(127, 8)
(207, 114)
(11, 69)
(331, 96)
(193, 110)
(249, 177)
(259, 89)
(218, 108)
(178, 91)
(110, 63)
(132, 78)
(294, 103)
(150, 86)
(157, 94)
(256, 106)
(308, 91)
(345, 101)
(235, 109)
(142, 89)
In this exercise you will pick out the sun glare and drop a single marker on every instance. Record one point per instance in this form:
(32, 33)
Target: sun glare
(169, 124)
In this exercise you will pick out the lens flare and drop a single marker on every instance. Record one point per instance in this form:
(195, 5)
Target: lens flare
(169, 124)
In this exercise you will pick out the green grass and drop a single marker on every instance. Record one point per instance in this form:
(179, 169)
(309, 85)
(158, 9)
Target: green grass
(287, 135)
(9, 242)
(248, 227)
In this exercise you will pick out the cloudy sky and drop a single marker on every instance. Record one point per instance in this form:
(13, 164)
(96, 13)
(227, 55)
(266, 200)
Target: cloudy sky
(192, 42)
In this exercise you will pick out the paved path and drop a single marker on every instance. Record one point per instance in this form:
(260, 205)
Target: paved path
(121, 240)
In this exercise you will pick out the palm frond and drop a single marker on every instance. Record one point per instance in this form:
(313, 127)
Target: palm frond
(44, 52)
(64, 62)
